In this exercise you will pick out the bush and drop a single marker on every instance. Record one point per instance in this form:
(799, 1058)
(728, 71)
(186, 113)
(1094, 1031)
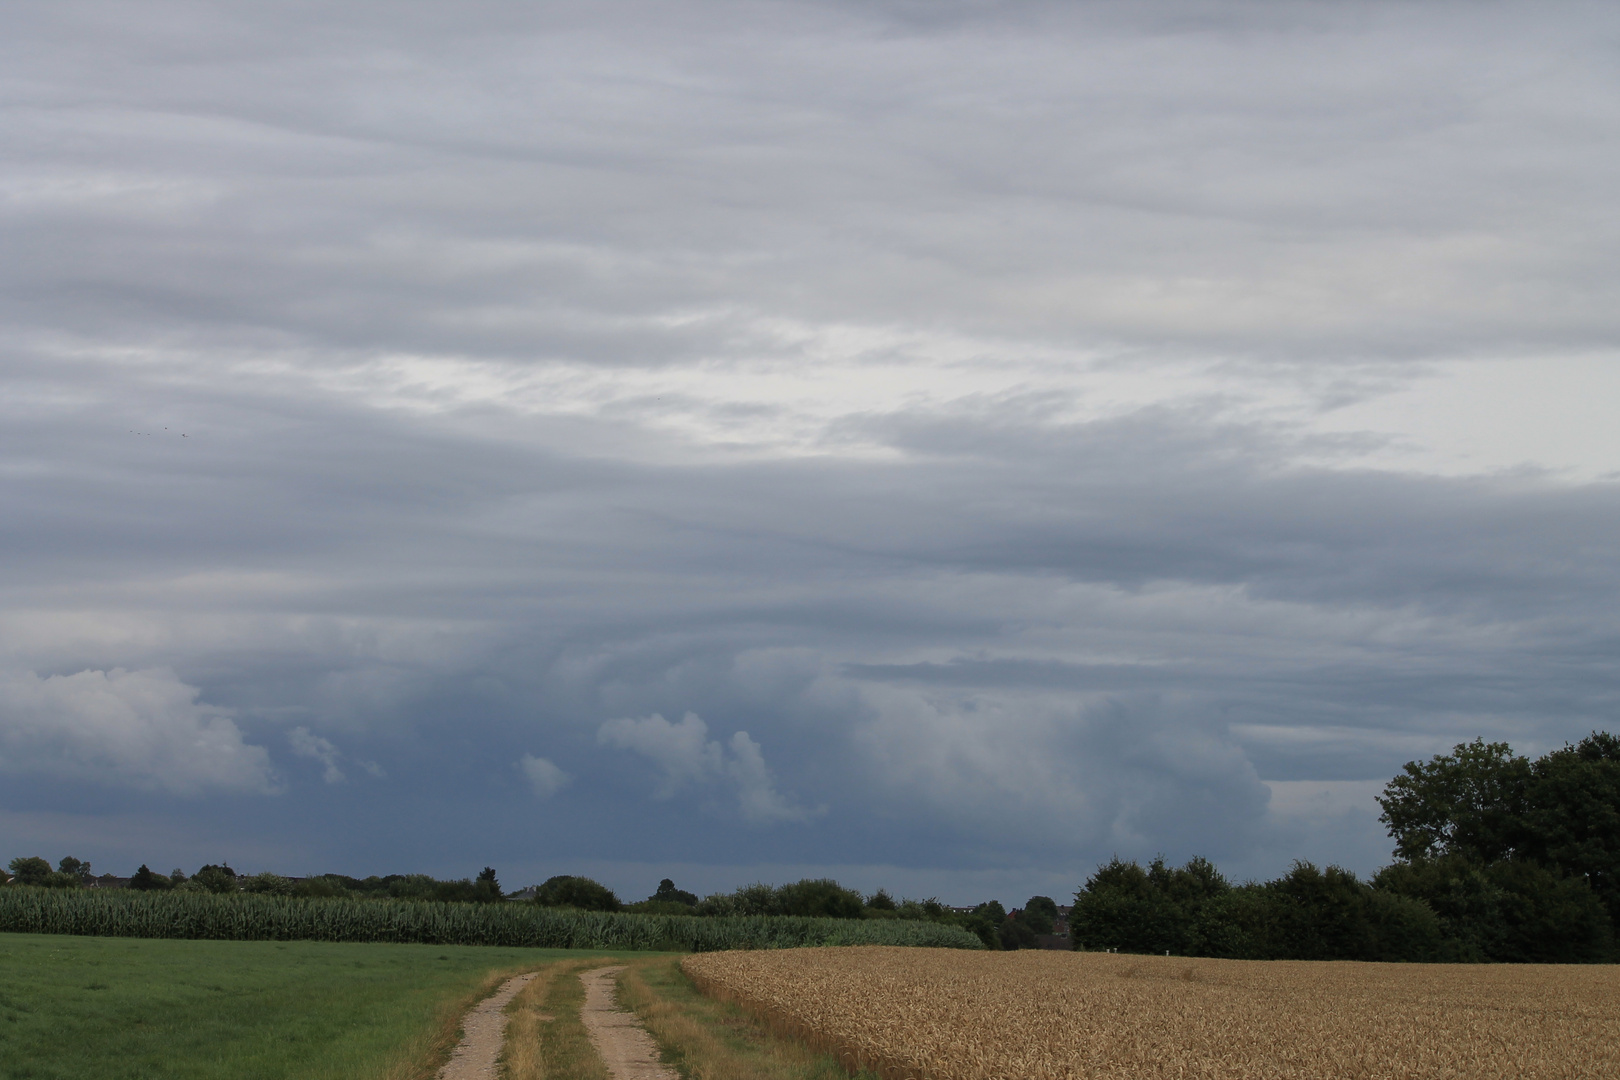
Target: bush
(811, 898)
(1506, 911)
(1308, 914)
(880, 901)
(325, 887)
(576, 892)
(30, 870)
(819, 898)
(1039, 913)
(267, 884)
(667, 893)
(215, 879)
(146, 881)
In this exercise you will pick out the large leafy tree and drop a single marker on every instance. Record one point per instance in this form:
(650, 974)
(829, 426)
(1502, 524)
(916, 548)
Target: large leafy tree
(75, 868)
(30, 870)
(1482, 805)
(1573, 814)
(1471, 802)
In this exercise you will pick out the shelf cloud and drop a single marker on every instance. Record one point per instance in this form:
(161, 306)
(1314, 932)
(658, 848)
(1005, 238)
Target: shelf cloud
(1004, 437)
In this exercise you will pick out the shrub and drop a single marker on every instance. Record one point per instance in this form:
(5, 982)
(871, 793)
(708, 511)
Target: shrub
(818, 897)
(576, 892)
(810, 897)
(146, 881)
(215, 879)
(30, 870)
(668, 894)
(267, 884)
(881, 901)
(325, 887)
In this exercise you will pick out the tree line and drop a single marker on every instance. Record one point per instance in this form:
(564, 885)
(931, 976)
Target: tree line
(994, 926)
(219, 878)
(1498, 858)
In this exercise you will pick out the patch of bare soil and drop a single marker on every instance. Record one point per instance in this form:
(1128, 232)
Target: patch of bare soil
(627, 1050)
(482, 1033)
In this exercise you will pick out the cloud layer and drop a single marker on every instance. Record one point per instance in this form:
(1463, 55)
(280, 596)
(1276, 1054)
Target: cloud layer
(1005, 437)
(143, 729)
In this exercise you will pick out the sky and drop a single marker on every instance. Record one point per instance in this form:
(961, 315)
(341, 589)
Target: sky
(940, 445)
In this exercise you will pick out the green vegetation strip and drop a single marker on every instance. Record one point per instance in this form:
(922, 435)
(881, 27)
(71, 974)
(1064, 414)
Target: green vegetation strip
(245, 917)
(114, 1009)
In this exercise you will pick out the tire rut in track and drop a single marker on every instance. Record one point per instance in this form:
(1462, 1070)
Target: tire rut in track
(626, 1049)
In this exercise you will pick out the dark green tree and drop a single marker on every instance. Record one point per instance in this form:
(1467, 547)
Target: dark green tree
(216, 878)
(1505, 911)
(1015, 933)
(72, 867)
(266, 884)
(985, 921)
(821, 897)
(323, 887)
(1039, 913)
(487, 888)
(881, 901)
(30, 870)
(1471, 802)
(1153, 910)
(667, 893)
(578, 892)
(1573, 815)
(146, 881)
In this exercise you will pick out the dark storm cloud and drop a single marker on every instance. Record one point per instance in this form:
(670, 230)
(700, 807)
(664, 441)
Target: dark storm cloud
(385, 389)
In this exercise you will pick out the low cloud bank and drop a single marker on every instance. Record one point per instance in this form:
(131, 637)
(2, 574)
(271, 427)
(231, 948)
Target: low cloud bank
(142, 729)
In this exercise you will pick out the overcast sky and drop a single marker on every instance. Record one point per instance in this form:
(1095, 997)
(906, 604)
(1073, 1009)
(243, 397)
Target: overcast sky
(940, 445)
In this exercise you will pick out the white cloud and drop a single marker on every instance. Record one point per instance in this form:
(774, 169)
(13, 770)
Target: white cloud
(545, 776)
(682, 750)
(688, 755)
(307, 745)
(142, 729)
(757, 796)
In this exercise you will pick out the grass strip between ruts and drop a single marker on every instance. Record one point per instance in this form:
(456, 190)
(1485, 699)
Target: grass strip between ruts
(546, 1039)
(705, 1039)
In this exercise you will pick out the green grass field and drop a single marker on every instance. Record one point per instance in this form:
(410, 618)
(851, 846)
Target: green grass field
(125, 1008)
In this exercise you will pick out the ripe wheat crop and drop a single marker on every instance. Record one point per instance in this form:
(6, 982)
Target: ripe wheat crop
(929, 1014)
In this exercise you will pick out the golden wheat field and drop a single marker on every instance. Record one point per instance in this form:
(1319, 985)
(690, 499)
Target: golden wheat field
(944, 1014)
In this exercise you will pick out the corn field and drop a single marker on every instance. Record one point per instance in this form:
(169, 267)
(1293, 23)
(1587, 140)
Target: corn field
(244, 917)
(925, 1014)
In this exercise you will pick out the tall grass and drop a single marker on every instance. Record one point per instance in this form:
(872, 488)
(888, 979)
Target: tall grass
(245, 917)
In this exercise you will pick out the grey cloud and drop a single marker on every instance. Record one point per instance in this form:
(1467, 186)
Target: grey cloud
(143, 729)
(543, 775)
(683, 751)
(688, 757)
(1342, 180)
(308, 745)
(466, 314)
